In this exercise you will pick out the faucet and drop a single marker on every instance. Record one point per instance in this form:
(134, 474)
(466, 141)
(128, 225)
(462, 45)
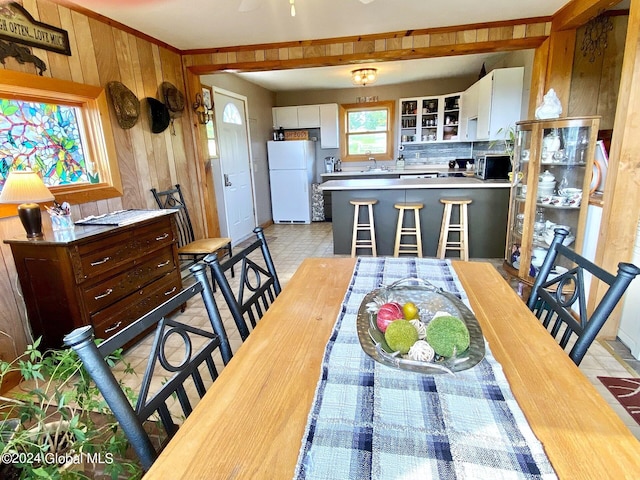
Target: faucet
(371, 159)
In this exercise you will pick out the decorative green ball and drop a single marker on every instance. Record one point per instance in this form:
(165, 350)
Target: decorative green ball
(448, 335)
(401, 335)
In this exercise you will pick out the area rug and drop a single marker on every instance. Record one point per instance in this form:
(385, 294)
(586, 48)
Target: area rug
(627, 392)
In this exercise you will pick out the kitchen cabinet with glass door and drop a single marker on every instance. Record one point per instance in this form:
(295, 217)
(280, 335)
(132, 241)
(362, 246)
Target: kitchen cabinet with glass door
(552, 174)
(429, 119)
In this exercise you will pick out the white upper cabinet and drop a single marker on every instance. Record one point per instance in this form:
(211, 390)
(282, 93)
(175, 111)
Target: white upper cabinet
(329, 131)
(285, 117)
(323, 116)
(483, 112)
(469, 113)
(499, 103)
(309, 116)
(303, 116)
(491, 105)
(485, 99)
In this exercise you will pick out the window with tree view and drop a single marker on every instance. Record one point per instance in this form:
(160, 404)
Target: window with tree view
(367, 129)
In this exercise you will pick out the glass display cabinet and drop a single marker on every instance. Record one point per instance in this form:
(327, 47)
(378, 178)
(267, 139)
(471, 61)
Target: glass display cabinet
(551, 179)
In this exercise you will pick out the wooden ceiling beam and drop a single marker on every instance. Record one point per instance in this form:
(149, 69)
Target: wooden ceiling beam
(578, 12)
(382, 56)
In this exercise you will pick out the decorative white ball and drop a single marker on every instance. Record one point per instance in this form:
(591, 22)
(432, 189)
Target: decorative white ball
(441, 313)
(421, 351)
(420, 327)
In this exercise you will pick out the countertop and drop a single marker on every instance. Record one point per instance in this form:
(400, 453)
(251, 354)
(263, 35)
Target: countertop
(407, 170)
(412, 183)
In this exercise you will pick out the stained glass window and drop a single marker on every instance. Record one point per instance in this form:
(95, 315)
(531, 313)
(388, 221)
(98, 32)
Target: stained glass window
(46, 138)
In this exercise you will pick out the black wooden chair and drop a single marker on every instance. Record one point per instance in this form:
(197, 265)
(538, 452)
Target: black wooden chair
(258, 283)
(558, 297)
(181, 376)
(189, 248)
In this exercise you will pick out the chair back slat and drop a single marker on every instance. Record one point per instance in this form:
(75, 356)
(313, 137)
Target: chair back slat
(167, 420)
(258, 283)
(559, 300)
(183, 398)
(185, 371)
(174, 200)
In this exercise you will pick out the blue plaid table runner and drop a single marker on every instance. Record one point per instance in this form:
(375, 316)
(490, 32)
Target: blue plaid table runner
(370, 421)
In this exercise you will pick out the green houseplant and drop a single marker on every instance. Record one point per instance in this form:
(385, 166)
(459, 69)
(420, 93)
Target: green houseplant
(56, 425)
(509, 141)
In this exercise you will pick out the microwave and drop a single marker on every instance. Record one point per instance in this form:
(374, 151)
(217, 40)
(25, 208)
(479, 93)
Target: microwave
(493, 167)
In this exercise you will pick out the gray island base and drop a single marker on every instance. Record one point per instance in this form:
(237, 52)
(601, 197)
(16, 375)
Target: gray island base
(487, 214)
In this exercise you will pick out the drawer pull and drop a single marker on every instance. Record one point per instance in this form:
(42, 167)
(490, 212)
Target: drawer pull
(100, 262)
(162, 237)
(106, 293)
(164, 264)
(170, 291)
(114, 327)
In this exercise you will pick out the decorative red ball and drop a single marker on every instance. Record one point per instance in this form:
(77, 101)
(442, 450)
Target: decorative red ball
(387, 314)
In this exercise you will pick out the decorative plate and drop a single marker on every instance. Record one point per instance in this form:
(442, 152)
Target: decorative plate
(429, 299)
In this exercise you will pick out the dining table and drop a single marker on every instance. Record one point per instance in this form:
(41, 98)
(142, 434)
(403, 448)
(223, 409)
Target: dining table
(256, 420)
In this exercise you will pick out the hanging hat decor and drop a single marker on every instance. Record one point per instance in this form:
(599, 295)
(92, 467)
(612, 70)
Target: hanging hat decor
(173, 99)
(160, 117)
(125, 104)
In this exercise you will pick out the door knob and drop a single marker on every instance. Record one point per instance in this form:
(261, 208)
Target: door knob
(227, 183)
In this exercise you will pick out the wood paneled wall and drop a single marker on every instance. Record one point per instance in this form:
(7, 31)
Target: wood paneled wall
(621, 211)
(594, 85)
(102, 53)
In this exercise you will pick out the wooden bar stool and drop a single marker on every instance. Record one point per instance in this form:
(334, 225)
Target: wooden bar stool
(402, 230)
(463, 244)
(357, 226)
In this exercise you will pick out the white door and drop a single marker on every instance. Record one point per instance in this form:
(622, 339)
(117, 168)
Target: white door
(233, 138)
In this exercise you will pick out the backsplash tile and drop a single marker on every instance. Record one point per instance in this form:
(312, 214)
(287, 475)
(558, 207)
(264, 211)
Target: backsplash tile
(441, 153)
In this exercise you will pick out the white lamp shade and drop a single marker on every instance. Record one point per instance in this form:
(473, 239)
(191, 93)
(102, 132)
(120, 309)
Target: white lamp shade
(25, 187)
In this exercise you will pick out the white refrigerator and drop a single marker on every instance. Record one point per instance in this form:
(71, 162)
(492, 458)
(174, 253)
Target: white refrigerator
(291, 173)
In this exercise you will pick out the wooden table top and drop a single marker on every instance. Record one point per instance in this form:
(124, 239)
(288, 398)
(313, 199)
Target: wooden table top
(251, 421)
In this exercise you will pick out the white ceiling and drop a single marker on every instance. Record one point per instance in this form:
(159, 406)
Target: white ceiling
(202, 24)
(194, 24)
(389, 73)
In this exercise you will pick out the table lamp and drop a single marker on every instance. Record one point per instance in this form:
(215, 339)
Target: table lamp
(26, 188)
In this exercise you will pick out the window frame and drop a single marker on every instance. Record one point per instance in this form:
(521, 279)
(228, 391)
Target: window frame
(207, 92)
(99, 143)
(346, 108)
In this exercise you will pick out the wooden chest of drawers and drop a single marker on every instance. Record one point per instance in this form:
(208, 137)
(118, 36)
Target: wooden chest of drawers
(106, 276)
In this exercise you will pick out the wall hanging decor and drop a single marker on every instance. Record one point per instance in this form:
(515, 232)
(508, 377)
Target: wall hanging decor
(125, 104)
(17, 25)
(22, 54)
(160, 118)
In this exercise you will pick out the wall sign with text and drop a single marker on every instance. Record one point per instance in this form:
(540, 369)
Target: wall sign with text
(17, 25)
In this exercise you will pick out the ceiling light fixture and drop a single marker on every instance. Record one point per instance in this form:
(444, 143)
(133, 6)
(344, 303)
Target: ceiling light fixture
(364, 76)
(293, 8)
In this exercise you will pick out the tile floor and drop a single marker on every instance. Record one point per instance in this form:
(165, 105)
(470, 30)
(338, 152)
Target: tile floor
(290, 244)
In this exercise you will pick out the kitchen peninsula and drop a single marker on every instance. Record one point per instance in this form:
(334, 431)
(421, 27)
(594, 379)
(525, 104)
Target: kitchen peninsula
(487, 213)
